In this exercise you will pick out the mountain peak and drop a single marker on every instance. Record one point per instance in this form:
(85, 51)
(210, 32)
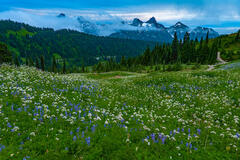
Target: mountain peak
(137, 22)
(180, 24)
(61, 15)
(152, 20)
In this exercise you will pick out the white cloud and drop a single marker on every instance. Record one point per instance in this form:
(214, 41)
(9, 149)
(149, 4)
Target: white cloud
(168, 15)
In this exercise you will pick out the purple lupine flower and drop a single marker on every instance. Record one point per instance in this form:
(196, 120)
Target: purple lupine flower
(163, 140)
(189, 130)
(199, 131)
(93, 128)
(88, 140)
(82, 134)
(71, 132)
(160, 136)
(74, 138)
(153, 136)
(190, 145)
(9, 125)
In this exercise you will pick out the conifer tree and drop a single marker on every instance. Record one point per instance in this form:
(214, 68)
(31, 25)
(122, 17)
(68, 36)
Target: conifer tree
(207, 37)
(17, 63)
(238, 36)
(31, 63)
(99, 67)
(37, 64)
(27, 62)
(146, 57)
(186, 49)
(54, 65)
(83, 67)
(64, 66)
(42, 63)
(5, 55)
(123, 61)
(175, 50)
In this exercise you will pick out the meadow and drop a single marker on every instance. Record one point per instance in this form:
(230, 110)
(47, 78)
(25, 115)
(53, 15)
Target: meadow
(119, 115)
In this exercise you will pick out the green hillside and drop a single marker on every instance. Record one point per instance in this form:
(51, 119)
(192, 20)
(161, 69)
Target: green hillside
(229, 46)
(30, 42)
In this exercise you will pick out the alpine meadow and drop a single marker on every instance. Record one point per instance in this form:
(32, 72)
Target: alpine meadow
(122, 80)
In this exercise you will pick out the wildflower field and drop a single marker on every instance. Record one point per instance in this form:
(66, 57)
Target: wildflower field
(119, 115)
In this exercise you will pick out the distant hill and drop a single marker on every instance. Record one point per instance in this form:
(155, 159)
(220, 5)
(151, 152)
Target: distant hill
(30, 42)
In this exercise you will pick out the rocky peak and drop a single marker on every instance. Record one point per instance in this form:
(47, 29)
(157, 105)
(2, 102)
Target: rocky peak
(61, 15)
(137, 22)
(152, 21)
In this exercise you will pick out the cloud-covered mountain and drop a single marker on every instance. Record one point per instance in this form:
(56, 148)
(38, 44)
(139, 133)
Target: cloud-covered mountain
(201, 32)
(151, 30)
(179, 28)
(106, 25)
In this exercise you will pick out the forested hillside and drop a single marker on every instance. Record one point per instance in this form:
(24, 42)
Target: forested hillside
(27, 42)
(229, 45)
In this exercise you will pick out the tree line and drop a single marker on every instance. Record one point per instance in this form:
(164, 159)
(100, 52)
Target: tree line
(179, 52)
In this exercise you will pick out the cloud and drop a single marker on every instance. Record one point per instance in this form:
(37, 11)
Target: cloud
(39, 20)
(109, 21)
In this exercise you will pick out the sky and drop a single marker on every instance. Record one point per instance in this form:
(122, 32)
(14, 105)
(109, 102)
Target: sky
(222, 15)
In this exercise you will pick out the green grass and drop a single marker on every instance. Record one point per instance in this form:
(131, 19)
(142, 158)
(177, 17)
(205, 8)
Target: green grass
(119, 115)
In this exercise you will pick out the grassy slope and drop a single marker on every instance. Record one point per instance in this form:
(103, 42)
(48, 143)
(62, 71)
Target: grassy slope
(178, 115)
(229, 44)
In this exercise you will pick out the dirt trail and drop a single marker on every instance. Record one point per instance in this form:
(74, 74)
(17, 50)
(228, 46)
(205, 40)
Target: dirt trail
(219, 59)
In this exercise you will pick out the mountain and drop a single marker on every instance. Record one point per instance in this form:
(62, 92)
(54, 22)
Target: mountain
(149, 30)
(61, 15)
(161, 36)
(146, 31)
(179, 28)
(27, 42)
(137, 22)
(152, 22)
(201, 32)
(87, 27)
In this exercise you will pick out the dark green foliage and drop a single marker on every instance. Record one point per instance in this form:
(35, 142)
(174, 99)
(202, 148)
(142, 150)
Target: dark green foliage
(64, 66)
(175, 51)
(27, 62)
(238, 36)
(196, 66)
(123, 61)
(37, 64)
(207, 38)
(54, 64)
(5, 55)
(16, 62)
(212, 57)
(42, 63)
(71, 45)
(83, 67)
(31, 63)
